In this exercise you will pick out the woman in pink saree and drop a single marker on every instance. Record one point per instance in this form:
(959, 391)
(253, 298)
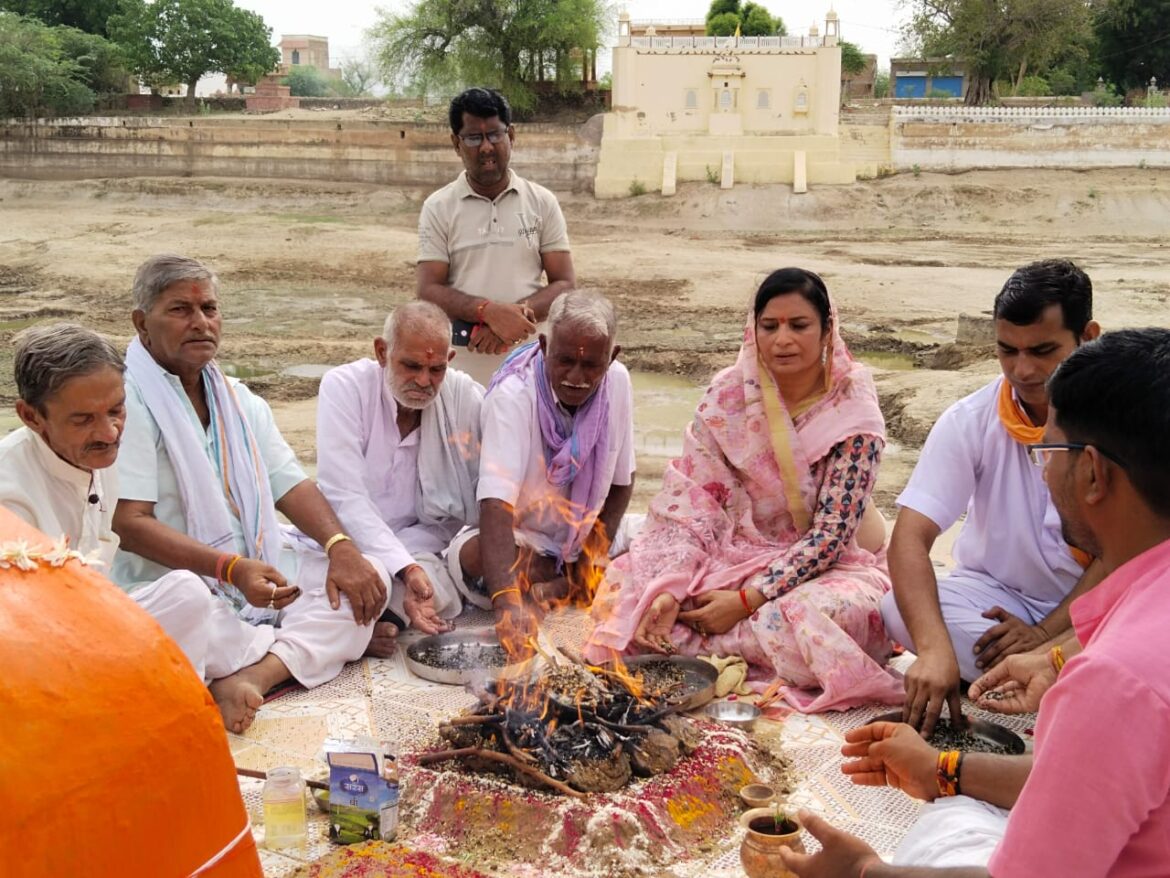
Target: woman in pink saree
(751, 547)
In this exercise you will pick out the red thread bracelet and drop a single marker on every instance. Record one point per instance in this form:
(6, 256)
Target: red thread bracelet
(743, 597)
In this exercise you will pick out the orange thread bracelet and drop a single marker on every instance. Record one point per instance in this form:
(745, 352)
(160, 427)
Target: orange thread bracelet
(219, 563)
(743, 597)
(511, 588)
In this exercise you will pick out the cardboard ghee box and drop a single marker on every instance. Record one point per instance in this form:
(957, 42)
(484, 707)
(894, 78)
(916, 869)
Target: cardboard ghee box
(357, 795)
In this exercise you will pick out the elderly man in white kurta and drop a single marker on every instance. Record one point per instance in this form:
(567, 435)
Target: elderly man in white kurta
(556, 466)
(203, 473)
(57, 471)
(1015, 575)
(398, 459)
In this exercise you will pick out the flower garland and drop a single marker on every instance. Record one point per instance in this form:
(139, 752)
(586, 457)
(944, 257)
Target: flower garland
(19, 555)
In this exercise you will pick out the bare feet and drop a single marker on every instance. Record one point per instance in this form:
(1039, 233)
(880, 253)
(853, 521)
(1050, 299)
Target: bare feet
(384, 641)
(240, 695)
(238, 698)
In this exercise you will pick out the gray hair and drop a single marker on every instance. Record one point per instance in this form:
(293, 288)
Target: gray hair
(416, 316)
(48, 356)
(586, 310)
(159, 272)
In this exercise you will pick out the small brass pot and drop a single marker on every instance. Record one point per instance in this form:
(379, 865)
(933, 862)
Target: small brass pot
(760, 851)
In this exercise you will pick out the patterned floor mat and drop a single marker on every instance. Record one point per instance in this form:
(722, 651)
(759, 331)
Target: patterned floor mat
(382, 698)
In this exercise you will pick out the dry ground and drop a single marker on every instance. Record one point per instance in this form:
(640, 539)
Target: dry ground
(309, 271)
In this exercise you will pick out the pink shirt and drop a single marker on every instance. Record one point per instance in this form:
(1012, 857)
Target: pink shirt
(1097, 801)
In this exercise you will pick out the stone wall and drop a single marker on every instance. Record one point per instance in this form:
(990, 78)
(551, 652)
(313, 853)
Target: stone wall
(384, 152)
(961, 138)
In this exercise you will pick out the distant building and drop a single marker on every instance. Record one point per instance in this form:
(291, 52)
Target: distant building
(305, 50)
(674, 27)
(689, 107)
(860, 85)
(927, 77)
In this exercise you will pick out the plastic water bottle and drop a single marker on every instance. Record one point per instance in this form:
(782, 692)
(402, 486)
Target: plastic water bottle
(285, 824)
(388, 813)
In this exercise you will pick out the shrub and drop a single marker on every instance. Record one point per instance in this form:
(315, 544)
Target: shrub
(1034, 87)
(637, 187)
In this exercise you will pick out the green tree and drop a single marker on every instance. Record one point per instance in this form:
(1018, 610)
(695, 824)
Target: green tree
(757, 21)
(440, 46)
(358, 77)
(306, 82)
(722, 7)
(100, 62)
(852, 58)
(752, 19)
(91, 16)
(1134, 41)
(183, 40)
(881, 84)
(722, 25)
(35, 75)
(1004, 39)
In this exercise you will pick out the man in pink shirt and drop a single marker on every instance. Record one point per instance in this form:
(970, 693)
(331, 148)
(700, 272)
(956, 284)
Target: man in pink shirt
(1095, 799)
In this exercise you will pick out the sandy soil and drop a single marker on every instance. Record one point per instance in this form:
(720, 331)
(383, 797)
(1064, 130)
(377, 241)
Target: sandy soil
(309, 271)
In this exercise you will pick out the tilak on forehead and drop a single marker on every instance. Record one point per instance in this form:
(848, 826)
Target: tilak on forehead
(580, 351)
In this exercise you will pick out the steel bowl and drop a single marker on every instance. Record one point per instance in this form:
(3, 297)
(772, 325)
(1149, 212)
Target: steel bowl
(992, 733)
(466, 642)
(738, 714)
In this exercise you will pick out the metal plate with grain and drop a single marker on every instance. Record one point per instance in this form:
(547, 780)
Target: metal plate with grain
(999, 738)
(698, 685)
(456, 657)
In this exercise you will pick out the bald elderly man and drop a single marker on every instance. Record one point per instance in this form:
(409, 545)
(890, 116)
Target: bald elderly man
(398, 459)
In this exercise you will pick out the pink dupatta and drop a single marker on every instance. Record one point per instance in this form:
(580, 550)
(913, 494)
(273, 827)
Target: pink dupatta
(743, 491)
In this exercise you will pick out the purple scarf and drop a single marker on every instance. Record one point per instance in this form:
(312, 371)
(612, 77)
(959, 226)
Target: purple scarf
(576, 458)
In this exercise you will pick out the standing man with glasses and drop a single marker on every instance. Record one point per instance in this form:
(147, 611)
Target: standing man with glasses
(1015, 574)
(493, 249)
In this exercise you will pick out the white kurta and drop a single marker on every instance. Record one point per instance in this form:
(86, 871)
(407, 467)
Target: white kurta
(313, 640)
(1010, 551)
(369, 473)
(59, 499)
(513, 466)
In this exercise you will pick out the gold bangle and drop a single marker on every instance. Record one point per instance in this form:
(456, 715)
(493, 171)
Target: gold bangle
(496, 594)
(334, 540)
(227, 574)
(1056, 654)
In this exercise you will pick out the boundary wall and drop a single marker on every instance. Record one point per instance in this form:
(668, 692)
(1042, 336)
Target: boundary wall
(561, 157)
(963, 138)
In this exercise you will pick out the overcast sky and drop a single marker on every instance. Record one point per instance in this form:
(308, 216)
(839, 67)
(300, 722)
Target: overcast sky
(871, 24)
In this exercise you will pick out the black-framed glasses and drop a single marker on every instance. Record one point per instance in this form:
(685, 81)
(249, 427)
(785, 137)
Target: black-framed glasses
(493, 137)
(1041, 452)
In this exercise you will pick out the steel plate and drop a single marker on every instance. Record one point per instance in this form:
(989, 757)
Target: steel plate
(698, 681)
(991, 732)
(469, 644)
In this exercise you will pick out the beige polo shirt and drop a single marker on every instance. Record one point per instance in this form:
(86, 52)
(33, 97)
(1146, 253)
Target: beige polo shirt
(492, 247)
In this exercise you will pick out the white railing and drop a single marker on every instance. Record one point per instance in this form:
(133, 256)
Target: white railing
(726, 43)
(1015, 114)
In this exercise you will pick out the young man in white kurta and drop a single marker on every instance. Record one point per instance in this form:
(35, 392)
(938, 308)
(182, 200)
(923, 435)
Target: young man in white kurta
(62, 500)
(1010, 552)
(313, 640)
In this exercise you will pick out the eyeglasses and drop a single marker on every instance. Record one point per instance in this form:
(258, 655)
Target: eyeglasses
(1041, 453)
(493, 137)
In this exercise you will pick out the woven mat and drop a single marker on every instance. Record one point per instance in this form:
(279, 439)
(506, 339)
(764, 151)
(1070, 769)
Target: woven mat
(380, 697)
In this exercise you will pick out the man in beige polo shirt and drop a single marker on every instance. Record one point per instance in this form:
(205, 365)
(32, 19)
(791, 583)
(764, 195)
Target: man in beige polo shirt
(493, 250)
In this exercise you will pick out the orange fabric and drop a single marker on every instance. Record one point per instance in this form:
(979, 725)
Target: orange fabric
(114, 760)
(1019, 426)
(1015, 420)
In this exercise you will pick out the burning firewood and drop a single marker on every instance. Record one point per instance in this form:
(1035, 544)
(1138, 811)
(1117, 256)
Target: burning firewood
(571, 727)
